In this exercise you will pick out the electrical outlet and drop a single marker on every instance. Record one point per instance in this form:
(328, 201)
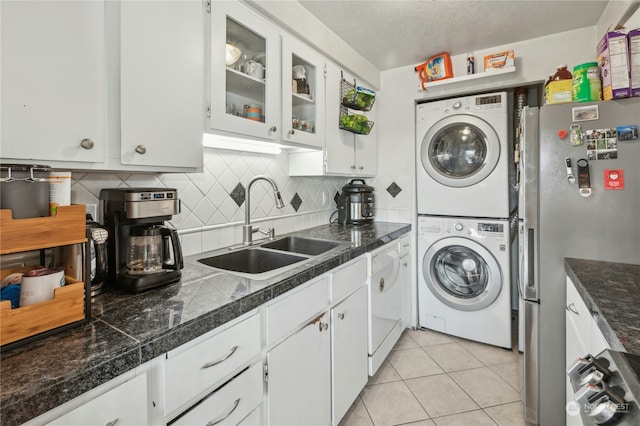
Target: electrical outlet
(92, 209)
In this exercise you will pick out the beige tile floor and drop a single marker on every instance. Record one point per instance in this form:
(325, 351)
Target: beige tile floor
(435, 379)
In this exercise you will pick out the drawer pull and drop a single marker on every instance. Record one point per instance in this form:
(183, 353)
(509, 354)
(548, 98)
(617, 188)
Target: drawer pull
(212, 363)
(341, 315)
(571, 307)
(112, 422)
(215, 422)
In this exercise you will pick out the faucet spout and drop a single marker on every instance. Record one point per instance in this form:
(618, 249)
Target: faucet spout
(247, 229)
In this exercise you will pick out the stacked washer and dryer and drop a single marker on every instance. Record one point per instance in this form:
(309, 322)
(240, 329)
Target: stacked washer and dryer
(464, 169)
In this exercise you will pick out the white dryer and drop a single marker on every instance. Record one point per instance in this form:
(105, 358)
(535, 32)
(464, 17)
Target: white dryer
(463, 156)
(464, 285)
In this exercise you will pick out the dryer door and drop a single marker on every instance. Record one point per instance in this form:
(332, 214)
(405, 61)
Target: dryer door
(462, 274)
(460, 150)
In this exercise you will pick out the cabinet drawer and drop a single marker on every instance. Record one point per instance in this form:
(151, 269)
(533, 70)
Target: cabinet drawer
(198, 368)
(125, 404)
(287, 314)
(229, 404)
(347, 279)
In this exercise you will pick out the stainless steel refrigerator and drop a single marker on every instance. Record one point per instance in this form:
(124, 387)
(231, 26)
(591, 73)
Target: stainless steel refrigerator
(558, 220)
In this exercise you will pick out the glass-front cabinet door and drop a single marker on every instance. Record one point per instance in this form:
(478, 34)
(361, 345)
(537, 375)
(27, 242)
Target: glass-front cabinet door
(245, 72)
(303, 94)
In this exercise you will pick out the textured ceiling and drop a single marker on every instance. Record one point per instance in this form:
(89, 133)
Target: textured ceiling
(392, 34)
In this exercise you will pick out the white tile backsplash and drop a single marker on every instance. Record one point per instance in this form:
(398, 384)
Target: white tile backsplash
(211, 219)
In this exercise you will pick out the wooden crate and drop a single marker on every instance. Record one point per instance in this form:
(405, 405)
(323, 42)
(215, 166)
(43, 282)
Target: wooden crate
(66, 307)
(34, 233)
(71, 302)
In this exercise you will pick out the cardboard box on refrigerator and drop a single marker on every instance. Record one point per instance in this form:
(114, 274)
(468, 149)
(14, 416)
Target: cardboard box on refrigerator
(558, 92)
(634, 61)
(613, 59)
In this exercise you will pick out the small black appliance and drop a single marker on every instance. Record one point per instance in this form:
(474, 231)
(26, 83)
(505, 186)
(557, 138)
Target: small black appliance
(143, 253)
(356, 204)
(97, 235)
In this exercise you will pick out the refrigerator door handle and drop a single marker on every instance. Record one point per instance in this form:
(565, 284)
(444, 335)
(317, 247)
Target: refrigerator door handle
(527, 278)
(530, 279)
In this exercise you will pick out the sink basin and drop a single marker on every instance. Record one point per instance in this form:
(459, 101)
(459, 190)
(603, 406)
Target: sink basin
(300, 245)
(251, 261)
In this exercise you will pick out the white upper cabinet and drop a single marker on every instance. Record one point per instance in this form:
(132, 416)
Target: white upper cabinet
(95, 85)
(162, 83)
(244, 72)
(345, 153)
(303, 94)
(53, 80)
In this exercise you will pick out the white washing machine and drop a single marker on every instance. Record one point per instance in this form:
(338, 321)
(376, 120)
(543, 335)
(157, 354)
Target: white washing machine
(464, 278)
(463, 157)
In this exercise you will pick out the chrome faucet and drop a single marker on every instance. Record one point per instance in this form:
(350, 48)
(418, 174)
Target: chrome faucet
(247, 229)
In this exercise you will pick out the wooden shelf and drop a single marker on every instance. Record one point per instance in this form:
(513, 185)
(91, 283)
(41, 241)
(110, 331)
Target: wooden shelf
(66, 307)
(18, 235)
(460, 79)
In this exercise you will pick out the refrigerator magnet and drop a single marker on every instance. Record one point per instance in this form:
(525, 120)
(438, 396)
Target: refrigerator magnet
(585, 113)
(614, 179)
(627, 133)
(576, 137)
(584, 182)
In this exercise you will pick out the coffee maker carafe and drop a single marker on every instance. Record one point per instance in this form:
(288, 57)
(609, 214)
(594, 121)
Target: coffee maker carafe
(144, 253)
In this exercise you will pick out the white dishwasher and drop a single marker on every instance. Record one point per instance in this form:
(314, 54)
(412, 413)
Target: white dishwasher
(385, 303)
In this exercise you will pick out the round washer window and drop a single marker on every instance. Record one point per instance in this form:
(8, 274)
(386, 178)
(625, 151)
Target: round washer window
(460, 150)
(462, 274)
(460, 271)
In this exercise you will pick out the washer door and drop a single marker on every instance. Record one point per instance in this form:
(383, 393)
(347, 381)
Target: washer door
(460, 150)
(462, 274)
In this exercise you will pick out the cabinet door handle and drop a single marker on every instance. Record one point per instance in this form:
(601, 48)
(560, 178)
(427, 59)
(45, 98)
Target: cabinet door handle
(141, 149)
(405, 264)
(112, 422)
(291, 132)
(87, 143)
(273, 128)
(212, 363)
(381, 286)
(571, 307)
(353, 167)
(235, 405)
(323, 326)
(361, 167)
(341, 315)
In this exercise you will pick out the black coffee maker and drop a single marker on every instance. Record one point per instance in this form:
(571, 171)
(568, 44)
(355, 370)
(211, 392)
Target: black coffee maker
(143, 253)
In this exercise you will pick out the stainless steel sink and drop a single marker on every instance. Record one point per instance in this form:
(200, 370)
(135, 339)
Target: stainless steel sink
(252, 261)
(301, 245)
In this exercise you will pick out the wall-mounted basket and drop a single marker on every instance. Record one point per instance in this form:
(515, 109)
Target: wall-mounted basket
(358, 98)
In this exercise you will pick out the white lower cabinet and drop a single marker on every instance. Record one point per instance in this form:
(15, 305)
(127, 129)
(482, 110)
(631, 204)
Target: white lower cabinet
(299, 377)
(192, 373)
(583, 336)
(315, 374)
(408, 313)
(230, 404)
(349, 352)
(125, 404)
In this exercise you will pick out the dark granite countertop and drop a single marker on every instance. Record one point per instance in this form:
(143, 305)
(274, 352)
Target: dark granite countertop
(128, 330)
(611, 292)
